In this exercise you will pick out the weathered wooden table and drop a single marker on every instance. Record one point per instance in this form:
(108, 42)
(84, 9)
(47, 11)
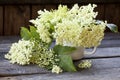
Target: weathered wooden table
(106, 64)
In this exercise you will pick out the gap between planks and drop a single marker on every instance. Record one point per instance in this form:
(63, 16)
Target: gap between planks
(7, 69)
(100, 53)
(102, 69)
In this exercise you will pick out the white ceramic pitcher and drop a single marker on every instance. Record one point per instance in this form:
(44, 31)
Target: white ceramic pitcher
(80, 52)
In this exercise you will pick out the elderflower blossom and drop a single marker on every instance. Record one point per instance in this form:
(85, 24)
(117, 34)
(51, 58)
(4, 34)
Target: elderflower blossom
(85, 64)
(26, 52)
(81, 30)
(20, 52)
(59, 14)
(56, 69)
(71, 33)
(44, 57)
(84, 14)
(66, 32)
(46, 21)
(43, 26)
(44, 34)
(70, 27)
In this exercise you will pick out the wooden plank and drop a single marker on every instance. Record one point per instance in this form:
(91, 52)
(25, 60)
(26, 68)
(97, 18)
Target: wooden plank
(15, 69)
(110, 47)
(110, 40)
(5, 44)
(114, 15)
(15, 17)
(112, 36)
(49, 7)
(100, 53)
(9, 39)
(5, 47)
(102, 69)
(105, 53)
(1, 20)
(56, 1)
(66, 76)
(36, 8)
(2, 55)
(110, 43)
(100, 10)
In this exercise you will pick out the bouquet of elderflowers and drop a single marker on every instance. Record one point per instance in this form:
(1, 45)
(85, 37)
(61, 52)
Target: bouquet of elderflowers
(68, 28)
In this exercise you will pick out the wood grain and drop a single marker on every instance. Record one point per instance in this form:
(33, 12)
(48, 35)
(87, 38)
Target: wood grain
(112, 14)
(112, 36)
(100, 53)
(36, 8)
(56, 1)
(106, 65)
(15, 17)
(105, 53)
(9, 39)
(1, 20)
(49, 7)
(18, 15)
(102, 69)
(68, 76)
(7, 69)
(101, 11)
(110, 46)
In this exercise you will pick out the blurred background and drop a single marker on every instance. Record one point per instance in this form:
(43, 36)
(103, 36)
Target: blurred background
(17, 13)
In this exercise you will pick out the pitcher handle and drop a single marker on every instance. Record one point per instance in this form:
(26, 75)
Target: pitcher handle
(92, 52)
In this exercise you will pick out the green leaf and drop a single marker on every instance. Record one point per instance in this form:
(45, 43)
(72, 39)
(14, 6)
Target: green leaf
(63, 49)
(51, 28)
(66, 63)
(33, 32)
(25, 33)
(113, 27)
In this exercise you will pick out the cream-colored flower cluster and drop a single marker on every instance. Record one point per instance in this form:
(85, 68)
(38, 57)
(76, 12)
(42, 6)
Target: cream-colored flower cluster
(85, 64)
(70, 27)
(20, 52)
(80, 29)
(56, 69)
(26, 52)
(74, 35)
(44, 57)
(47, 20)
(84, 15)
(44, 33)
